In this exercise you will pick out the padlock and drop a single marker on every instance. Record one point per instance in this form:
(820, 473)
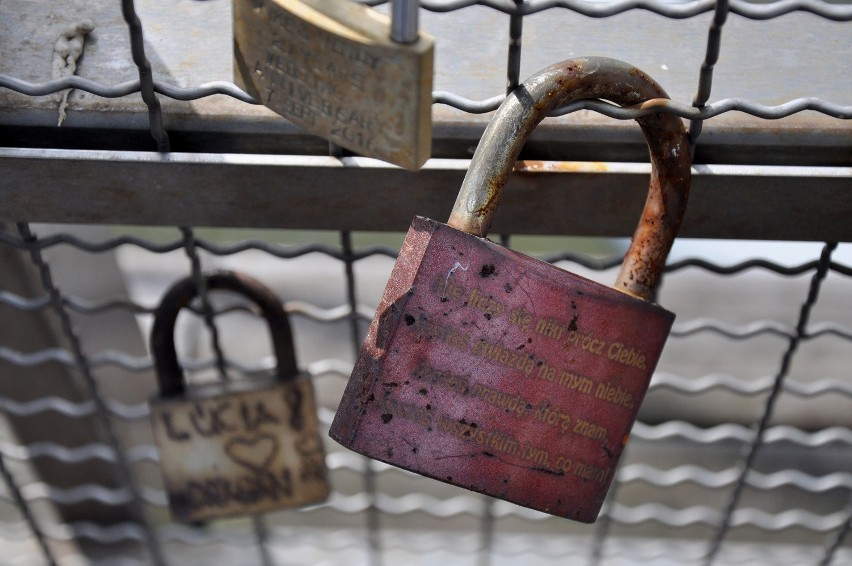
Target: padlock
(331, 67)
(500, 373)
(241, 447)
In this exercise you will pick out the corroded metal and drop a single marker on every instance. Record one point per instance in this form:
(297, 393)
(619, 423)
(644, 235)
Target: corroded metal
(331, 67)
(560, 84)
(503, 374)
(500, 373)
(240, 447)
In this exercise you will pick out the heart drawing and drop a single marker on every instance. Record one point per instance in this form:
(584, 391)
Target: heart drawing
(254, 453)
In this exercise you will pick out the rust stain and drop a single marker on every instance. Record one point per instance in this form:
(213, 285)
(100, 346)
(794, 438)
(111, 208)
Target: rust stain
(532, 166)
(493, 191)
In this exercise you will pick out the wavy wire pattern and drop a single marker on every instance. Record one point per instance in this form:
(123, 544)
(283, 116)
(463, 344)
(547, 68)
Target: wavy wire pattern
(674, 518)
(456, 101)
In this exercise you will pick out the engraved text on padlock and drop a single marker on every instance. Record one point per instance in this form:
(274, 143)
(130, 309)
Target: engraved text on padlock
(498, 372)
(330, 67)
(244, 447)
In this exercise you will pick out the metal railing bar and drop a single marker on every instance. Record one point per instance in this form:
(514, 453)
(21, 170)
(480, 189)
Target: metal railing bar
(747, 461)
(705, 79)
(26, 512)
(146, 78)
(81, 363)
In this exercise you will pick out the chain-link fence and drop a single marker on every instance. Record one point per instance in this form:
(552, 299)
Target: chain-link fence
(743, 449)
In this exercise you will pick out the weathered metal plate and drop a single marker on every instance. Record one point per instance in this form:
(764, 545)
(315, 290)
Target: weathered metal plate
(240, 452)
(500, 373)
(330, 67)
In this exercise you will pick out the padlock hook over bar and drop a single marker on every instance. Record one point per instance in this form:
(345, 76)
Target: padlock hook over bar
(561, 84)
(179, 296)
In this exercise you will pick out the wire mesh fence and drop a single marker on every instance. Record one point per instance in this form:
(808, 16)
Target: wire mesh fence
(743, 450)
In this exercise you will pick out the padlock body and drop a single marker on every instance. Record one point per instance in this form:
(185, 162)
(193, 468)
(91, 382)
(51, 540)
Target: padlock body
(500, 373)
(242, 451)
(330, 67)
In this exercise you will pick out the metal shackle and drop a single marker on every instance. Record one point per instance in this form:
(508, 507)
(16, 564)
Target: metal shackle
(560, 84)
(169, 372)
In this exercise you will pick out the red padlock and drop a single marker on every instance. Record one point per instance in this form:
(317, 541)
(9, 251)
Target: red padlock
(503, 374)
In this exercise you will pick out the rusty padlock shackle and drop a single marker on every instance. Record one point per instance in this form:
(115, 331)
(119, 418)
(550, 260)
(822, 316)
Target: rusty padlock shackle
(555, 86)
(169, 372)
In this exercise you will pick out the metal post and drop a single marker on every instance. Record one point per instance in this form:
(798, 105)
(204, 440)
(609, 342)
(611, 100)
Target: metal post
(404, 24)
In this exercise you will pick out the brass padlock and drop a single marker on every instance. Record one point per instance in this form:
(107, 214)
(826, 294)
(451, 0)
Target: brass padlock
(240, 447)
(497, 372)
(331, 67)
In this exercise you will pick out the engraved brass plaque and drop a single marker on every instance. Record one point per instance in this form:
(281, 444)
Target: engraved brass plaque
(330, 67)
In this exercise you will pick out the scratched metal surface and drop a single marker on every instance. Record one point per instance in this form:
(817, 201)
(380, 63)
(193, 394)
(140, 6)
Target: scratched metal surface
(188, 42)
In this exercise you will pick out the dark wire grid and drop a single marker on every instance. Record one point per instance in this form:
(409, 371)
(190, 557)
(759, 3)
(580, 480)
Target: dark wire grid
(26, 512)
(259, 527)
(81, 362)
(747, 460)
(375, 555)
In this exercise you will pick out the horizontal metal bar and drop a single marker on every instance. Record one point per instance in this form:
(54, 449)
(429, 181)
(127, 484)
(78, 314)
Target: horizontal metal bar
(588, 199)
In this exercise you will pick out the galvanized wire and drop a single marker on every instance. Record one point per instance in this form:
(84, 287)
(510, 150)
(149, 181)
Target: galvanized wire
(295, 251)
(258, 524)
(705, 80)
(81, 363)
(24, 507)
(374, 542)
(750, 10)
(459, 102)
(834, 543)
(204, 299)
(747, 462)
(605, 521)
(146, 78)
